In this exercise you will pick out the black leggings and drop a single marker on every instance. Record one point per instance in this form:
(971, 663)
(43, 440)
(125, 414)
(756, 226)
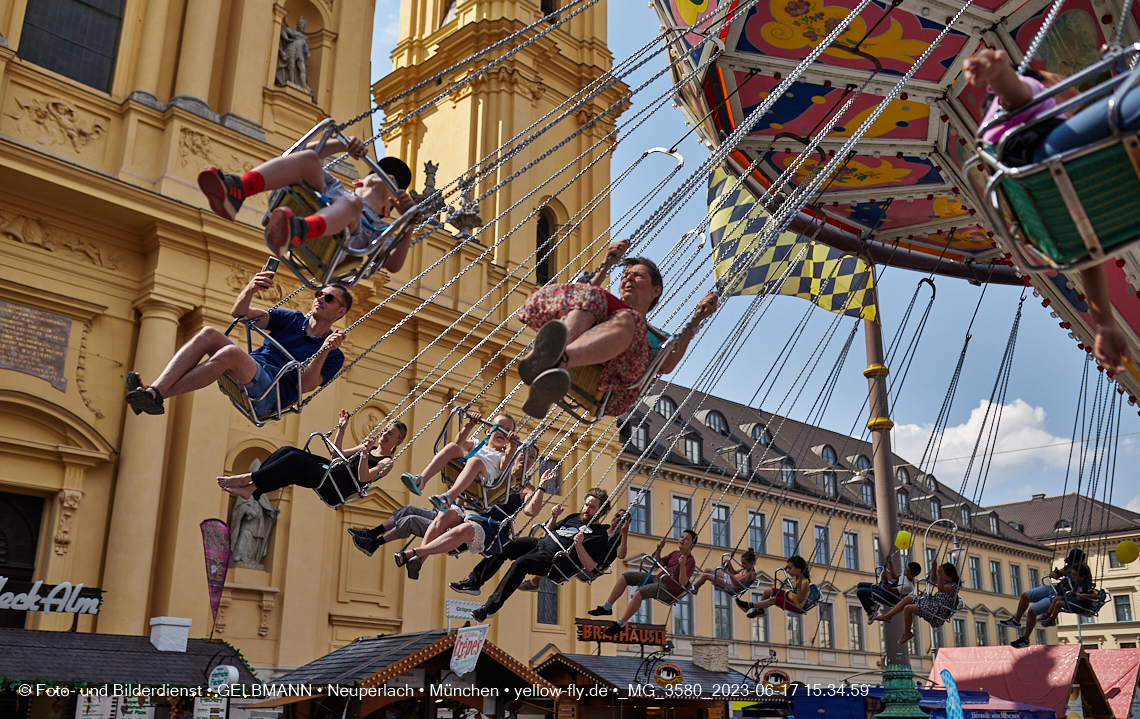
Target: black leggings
(286, 466)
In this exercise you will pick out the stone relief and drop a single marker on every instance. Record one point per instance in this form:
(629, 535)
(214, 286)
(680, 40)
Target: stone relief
(197, 148)
(35, 233)
(68, 504)
(365, 421)
(81, 373)
(54, 122)
(300, 302)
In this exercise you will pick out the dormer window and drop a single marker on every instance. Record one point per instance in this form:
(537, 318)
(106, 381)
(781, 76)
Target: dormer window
(693, 449)
(761, 434)
(665, 407)
(868, 495)
(829, 455)
(1063, 525)
(902, 475)
(902, 501)
(831, 484)
(716, 422)
(995, 524)
(965, 515)
(639, 438)
(935, 509)
(743, 461)
(862, 463)
(788, 472)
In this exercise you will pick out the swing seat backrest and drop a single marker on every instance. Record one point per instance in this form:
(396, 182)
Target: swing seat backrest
(813, 597)
(334, 489)
(237, 393)
(1080, 205)
(1078, 606)
(585, 400)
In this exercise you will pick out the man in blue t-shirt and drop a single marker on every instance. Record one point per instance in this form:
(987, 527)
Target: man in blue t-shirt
(300, 335)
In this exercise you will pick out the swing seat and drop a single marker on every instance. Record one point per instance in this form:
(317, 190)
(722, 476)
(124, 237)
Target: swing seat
(322, 261)
(1078, 206)
(558, 575)
(586, 403)
(1077, 606)
(237, 393)
(480, 494)
(333, 489)
(813, 597)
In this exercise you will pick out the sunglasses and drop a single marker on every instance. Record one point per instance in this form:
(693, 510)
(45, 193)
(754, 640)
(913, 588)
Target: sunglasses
(328, 297)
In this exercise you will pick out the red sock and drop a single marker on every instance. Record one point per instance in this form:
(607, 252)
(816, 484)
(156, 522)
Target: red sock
(253, 182)
(316, 225)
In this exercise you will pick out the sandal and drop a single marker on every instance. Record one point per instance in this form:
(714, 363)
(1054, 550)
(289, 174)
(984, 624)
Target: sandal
(548, 351)
(441, 503)
(549, 387)
(144, 399)
(133, 383)
(413, 563)
(412, 482)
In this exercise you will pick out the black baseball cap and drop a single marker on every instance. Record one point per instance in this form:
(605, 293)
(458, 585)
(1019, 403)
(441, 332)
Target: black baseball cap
(398, 170)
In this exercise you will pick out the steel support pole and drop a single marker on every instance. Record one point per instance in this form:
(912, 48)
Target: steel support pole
(885, 509)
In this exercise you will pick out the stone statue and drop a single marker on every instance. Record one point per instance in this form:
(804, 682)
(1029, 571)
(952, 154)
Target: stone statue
(293, 57)
(251, 523)
(433, 206)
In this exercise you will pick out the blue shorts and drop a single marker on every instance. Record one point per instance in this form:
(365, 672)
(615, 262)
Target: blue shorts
(257, 387)
(1041, 597)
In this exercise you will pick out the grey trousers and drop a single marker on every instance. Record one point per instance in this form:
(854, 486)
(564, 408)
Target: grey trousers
(408, 521)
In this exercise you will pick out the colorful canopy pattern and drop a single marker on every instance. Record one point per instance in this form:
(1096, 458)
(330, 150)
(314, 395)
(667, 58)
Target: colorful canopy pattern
(910, 183)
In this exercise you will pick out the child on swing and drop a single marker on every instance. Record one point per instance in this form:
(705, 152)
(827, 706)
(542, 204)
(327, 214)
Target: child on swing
(794, 600)
(991, 67)
(362, 210)
(727, 576)
(1084, 591)
(935, 607)
(489, 460)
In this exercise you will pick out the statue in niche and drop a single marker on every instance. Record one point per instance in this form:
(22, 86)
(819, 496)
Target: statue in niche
(293, 57)
(251, 523)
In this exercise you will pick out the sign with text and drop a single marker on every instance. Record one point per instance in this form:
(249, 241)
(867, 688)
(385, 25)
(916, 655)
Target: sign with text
(47, 598)
(34, 342)
(593, 630)
(459, 609)
(468, 646)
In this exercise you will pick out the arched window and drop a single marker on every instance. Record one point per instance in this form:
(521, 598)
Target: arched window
(831, 484)
(716, 422)
(862, 463)
(544, 260)
(902, 475)
(829, 454)
(665, 407)
(761, 434)
(788, 472)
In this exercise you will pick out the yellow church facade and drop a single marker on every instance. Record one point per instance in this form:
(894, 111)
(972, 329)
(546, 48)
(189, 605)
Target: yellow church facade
(111, 260)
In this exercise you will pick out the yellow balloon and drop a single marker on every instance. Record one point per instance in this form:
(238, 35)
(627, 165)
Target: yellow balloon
(1127, 551)
(903, 540)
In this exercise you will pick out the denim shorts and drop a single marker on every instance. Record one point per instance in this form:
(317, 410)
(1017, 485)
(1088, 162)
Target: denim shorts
(1041, 597)
(257, 387)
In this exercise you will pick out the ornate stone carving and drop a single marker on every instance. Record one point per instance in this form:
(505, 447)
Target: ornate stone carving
(466, 216)
(365, 421)
(68, 504)
(223, 605)
(266, 607)
(300, 302)
(293, 57)
(430, 200)
(251, 524)
(50, 121)
(36, 233)
(81, 373)
(197, 148)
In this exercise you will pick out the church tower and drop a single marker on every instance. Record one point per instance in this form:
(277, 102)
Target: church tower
(482, 116)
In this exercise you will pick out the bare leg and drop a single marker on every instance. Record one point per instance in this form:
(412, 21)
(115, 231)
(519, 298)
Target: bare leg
(245, 491)
(183, 373)
(705, 575)
(235, 480)
(908, 623)
(897, 609)
(287, 169)
(443, 522)
(447, 541)
(632, 607)
(439, 461)
(1030, 623)
(342, 212)
(1022, 605)
(619, 589)
(603, 342)
(472, 471)
(577, 322)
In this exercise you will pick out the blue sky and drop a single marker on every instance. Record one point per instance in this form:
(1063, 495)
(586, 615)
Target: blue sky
(1043, 390)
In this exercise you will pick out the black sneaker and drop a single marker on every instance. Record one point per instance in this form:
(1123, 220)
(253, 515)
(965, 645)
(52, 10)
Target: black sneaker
(480, 614)
(466, 586)
(600, 611)
(1021, 643)
(365, 544)
(1011, 622)
(753, 613)
(284, 230)
(613, 630)
(746, 606)
(360, 533)
(225, 193)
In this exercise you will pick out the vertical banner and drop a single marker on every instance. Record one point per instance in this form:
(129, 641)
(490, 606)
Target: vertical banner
(953, 699)
(216, 545)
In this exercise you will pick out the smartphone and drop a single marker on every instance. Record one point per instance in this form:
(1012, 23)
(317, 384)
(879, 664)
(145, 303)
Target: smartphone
(271, 265)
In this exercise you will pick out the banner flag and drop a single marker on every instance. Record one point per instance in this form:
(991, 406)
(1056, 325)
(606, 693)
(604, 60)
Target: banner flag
(216, 544)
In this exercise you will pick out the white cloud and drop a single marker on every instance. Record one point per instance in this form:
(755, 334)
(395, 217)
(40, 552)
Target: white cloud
(1022, 426)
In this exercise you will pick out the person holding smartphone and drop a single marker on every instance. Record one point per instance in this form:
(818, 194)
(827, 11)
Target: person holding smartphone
(302, 336)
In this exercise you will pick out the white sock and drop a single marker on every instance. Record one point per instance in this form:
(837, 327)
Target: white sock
(621, 622)
(607, 605)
